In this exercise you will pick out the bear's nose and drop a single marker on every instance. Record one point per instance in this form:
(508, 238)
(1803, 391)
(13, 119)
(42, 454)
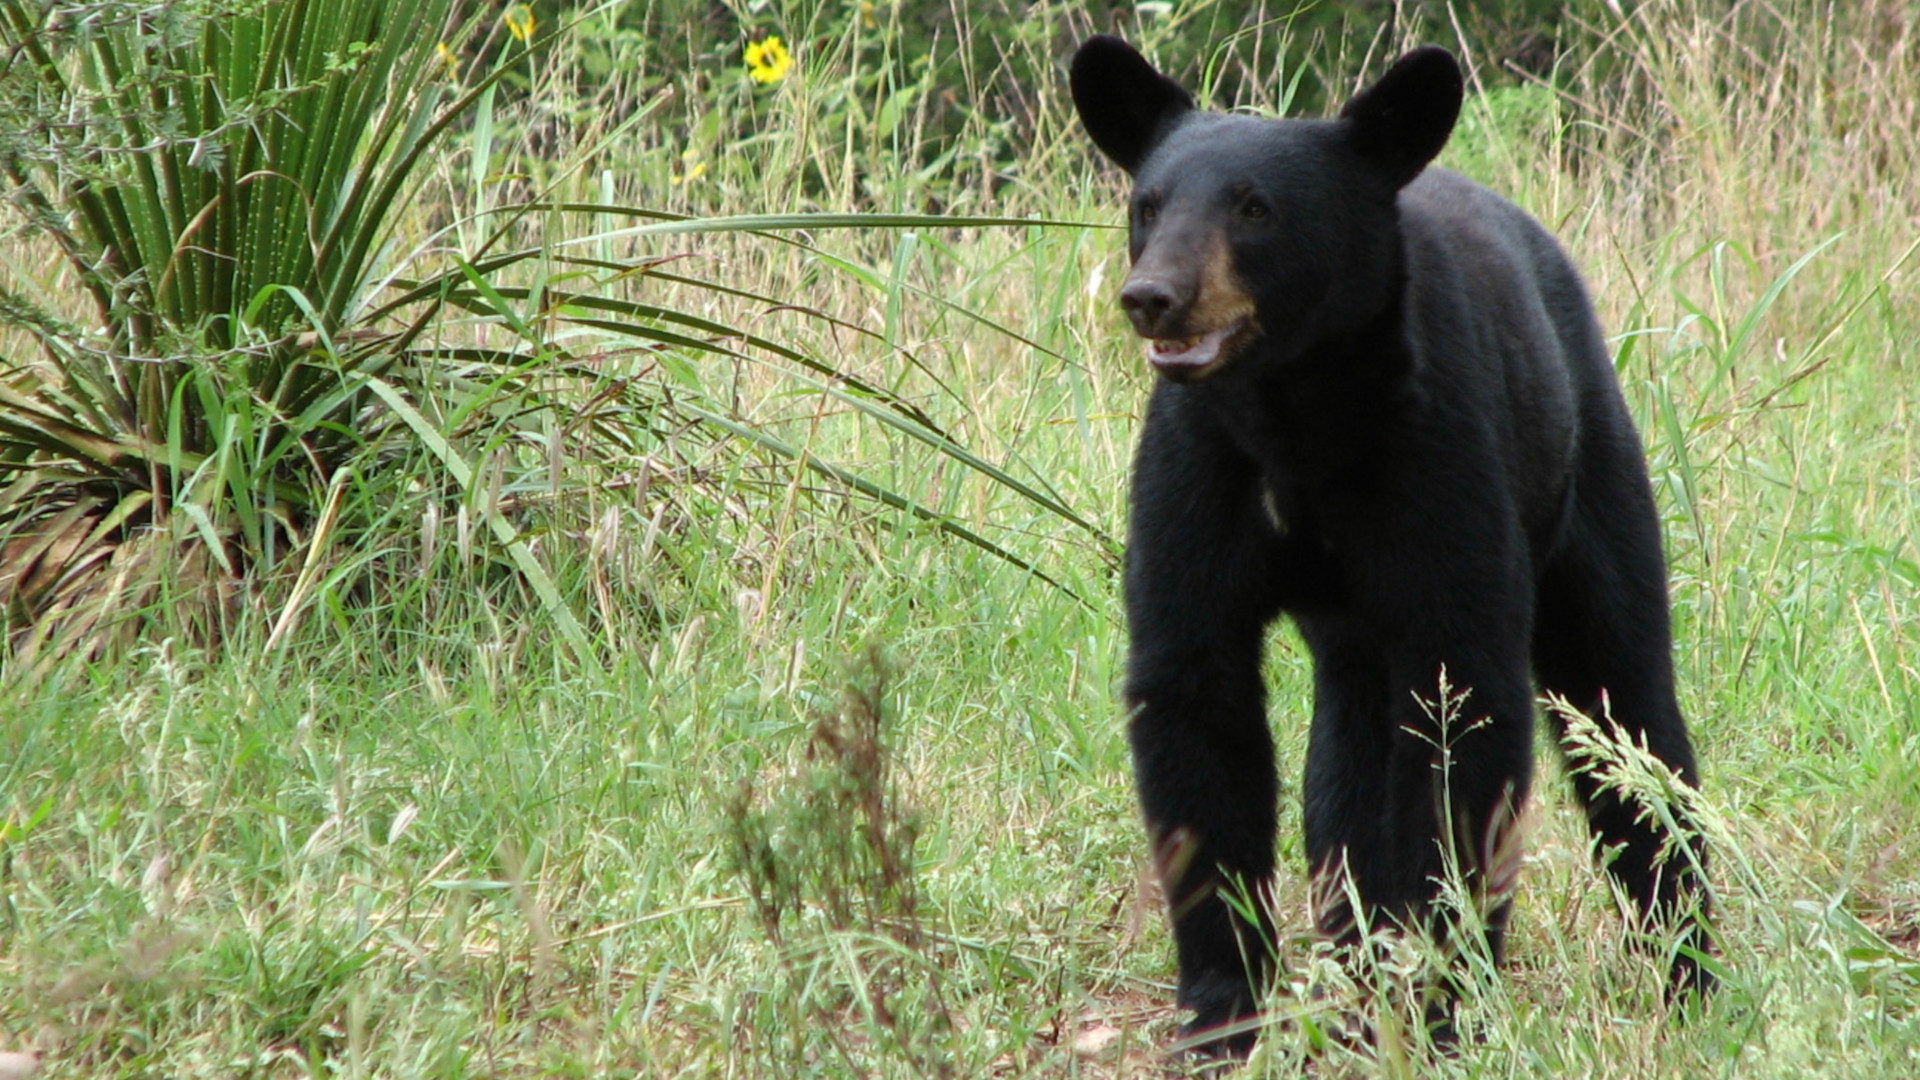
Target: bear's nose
(1147, 301)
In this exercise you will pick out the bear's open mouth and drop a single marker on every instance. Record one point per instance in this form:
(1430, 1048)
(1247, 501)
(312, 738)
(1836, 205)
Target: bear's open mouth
(1192, 357)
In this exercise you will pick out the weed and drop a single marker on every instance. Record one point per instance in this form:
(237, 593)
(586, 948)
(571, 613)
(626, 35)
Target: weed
(827, 856)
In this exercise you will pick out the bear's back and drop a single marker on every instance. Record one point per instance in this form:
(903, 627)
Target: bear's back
(1489, 288)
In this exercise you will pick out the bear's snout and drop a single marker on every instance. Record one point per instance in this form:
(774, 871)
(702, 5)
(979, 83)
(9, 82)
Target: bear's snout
(1152, 304)
(1185, 299)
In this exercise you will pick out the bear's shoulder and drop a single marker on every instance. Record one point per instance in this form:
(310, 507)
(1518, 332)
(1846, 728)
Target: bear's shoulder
(1452, 221)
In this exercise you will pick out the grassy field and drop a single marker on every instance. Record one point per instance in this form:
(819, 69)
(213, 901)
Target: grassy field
(833, 790)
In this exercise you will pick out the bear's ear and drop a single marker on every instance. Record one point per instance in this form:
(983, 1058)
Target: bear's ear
(1403, 120)
(1125, 104)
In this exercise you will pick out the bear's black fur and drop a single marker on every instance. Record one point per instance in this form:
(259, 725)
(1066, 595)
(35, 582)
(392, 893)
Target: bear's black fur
(1387, 410)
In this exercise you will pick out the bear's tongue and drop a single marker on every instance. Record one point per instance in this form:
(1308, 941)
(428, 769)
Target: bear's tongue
(1188, 354)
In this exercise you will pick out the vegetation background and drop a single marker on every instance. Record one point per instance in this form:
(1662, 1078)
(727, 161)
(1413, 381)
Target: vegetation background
(533, 546)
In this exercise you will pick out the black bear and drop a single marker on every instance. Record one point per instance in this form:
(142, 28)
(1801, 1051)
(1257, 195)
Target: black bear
(1386, 409)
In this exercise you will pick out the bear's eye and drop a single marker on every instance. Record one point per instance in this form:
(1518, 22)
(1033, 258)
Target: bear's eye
(1148, 212)
(1255, 210)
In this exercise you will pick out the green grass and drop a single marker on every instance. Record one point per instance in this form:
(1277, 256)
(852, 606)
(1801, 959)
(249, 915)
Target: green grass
(415, 835)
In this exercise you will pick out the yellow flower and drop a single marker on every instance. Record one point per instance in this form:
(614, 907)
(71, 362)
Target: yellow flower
(519, 20)
(693, 166)
(768, 60)
(450, 59)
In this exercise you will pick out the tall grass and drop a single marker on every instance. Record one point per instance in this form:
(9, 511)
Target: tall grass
(415, 838)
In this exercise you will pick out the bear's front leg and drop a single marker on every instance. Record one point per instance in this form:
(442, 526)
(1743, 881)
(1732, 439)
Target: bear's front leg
(1203, 762)
(1201, 563)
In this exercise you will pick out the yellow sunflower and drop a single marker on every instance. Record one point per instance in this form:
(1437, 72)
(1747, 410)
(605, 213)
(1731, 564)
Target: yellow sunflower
(768, 60)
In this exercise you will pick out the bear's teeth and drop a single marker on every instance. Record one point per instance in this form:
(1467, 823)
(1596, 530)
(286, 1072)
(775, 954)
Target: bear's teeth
(1188, 353)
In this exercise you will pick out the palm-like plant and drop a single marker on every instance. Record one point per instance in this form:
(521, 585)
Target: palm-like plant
(219, 178)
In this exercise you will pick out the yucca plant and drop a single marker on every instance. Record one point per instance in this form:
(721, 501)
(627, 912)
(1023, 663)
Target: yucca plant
(219, 179)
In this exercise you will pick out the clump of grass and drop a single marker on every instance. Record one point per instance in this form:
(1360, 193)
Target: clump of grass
(827, 855)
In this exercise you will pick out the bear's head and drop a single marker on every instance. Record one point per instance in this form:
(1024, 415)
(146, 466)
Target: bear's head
(1260, 237)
